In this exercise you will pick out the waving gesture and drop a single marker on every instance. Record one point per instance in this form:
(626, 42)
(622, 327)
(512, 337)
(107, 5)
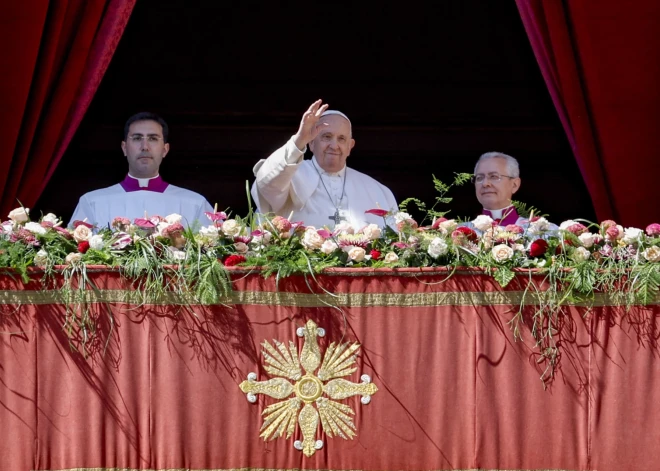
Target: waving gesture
(309, 124)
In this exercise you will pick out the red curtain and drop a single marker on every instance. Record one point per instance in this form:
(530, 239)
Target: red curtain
(54, 58)
(600, 63)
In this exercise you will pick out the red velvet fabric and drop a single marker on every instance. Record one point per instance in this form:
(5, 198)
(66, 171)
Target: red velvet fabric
(159, 389)
(58, 55)
(600, 63)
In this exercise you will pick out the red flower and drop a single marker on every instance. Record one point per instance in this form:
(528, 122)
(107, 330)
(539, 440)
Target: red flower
(83, 246)
(375, 254)
(234, 260)
(437, 223)
(63, 231)
(466, 232)
(377, 212)
(400, 245)
(82, 223)
(538, 248)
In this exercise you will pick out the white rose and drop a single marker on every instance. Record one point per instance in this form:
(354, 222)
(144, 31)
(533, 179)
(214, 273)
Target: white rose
(96, 242)
(448, 226)
(483, 222)
(652, 254)
(328, 247)
(437, 247)
(81, 233)
(502, 252)
(580, 254)
(587, 239)
(231, 228)
(344, 228)
(241, 247)
(566, 224)
(391, 257)
(73, 257)
(356, 254)
(41, 258)
(173, 218)
(35, 228)
(19, 214)
(311, 239)
(372, 231)
(631, 235)
(51, 218)
(401, 217)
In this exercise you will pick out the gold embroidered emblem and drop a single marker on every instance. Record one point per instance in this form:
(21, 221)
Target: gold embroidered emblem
(308, 389)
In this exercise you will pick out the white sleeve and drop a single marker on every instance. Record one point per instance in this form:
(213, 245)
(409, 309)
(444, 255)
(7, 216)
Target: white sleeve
(273, 175)
(83, 211)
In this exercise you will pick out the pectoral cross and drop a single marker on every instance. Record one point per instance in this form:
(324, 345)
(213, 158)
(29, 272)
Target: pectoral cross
(336, 217)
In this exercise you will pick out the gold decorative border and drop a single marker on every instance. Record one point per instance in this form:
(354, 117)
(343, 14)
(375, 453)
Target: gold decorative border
(281, 298)
(287, 469)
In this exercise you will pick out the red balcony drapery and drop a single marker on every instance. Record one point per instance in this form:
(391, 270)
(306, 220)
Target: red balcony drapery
(160, 389)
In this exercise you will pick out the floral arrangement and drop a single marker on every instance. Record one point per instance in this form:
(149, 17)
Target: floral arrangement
(577, 258)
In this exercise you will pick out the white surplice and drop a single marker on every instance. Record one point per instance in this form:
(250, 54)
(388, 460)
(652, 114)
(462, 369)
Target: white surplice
(101, 206)
(285, 184)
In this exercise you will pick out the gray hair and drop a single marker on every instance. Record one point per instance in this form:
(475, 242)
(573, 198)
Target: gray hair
(512, 167)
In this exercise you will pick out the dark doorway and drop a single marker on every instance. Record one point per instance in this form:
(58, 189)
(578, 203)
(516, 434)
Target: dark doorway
(427, 87)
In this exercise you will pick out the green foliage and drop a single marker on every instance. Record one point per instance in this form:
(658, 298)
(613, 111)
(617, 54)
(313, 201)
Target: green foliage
(526, 211)
(503, 276)
(442, 188)
(646, 282)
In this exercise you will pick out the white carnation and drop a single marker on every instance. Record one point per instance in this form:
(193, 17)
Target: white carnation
(483, 222)
(631, 235)
(96, 242)
(35, 228)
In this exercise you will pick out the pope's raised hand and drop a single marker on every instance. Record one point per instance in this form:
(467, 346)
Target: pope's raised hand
(309, 124)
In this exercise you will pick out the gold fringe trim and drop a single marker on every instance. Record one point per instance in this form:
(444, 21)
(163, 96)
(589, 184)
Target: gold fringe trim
(271, 298)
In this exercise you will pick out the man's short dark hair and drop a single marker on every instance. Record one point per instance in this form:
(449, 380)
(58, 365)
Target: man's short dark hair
(147, 116)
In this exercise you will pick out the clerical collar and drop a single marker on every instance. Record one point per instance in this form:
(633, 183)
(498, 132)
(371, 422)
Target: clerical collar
(156, 184)
(510, 215)
(323, 172)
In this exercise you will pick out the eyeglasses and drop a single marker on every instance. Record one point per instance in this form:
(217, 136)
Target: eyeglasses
(491, 177)
(138, 138)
